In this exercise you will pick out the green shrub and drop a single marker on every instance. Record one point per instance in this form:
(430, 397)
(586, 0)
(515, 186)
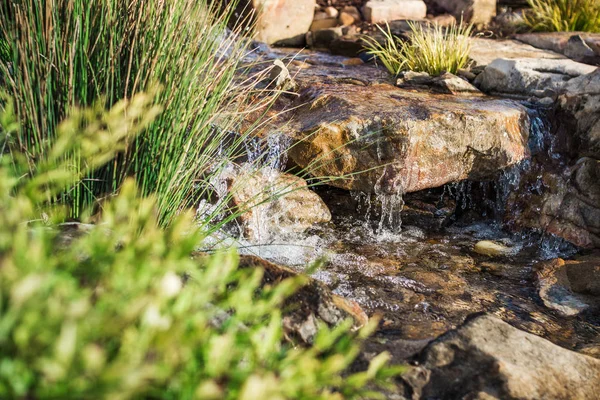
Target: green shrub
(564, 15)
(66, 53)
(432, 49)
(122, 311)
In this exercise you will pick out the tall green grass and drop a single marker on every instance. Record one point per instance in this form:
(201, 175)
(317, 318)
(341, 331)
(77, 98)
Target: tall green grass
(432, 49)
(564, 15)
(66, 53)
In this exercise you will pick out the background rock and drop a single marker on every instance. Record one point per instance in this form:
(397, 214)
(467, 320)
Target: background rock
(376, 11)
(579, 103)
(484, 51)
(477, 12)
(279, 20)
(569, 287)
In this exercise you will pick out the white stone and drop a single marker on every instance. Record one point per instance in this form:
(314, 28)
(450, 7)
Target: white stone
(376, 11)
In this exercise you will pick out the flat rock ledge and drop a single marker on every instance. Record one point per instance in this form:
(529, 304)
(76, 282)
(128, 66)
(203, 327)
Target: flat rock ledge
(383, 139)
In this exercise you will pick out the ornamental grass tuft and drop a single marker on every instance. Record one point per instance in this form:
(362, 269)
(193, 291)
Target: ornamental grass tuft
(564, 15)
(431, 48)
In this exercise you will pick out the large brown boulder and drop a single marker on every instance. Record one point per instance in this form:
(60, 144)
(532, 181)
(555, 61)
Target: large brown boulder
(379, 138)
(278, 20)
(488, 359)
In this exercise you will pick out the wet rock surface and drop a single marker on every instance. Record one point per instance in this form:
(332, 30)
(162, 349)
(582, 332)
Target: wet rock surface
(382, 138)
(489, 359)
(272, 203)
(560, 192)
(570, 287)
(426, 261)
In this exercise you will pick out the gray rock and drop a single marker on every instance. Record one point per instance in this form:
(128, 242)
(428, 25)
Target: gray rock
(487, 358)
(484, 51)
(578, 49)
(559, 42)
(376, 11)
(580, 102)
(529, 77)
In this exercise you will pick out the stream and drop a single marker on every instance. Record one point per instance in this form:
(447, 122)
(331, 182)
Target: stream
(410, 259)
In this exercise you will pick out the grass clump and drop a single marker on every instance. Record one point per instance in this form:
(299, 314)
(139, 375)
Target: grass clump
(564, 15)
(432, 49)
(123, 311)
(66, 53)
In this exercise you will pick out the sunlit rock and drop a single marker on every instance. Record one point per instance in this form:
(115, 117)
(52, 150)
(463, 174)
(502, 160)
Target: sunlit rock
(376, 11)
(272, 203)
(477, 12)
(379, 138)
(278, 20)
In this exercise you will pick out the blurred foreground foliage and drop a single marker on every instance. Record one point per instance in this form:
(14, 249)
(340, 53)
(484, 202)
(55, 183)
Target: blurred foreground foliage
(122, 311)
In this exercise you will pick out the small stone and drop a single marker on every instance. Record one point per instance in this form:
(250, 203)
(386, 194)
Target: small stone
(322, 38)
(324, 23)
(546, 101)
(466, 74)
(555, 288)
(492, 249)
(319, 15)
(350, 16)
(353, 61)
(444, 20)
(280, 77)
(331, 12)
